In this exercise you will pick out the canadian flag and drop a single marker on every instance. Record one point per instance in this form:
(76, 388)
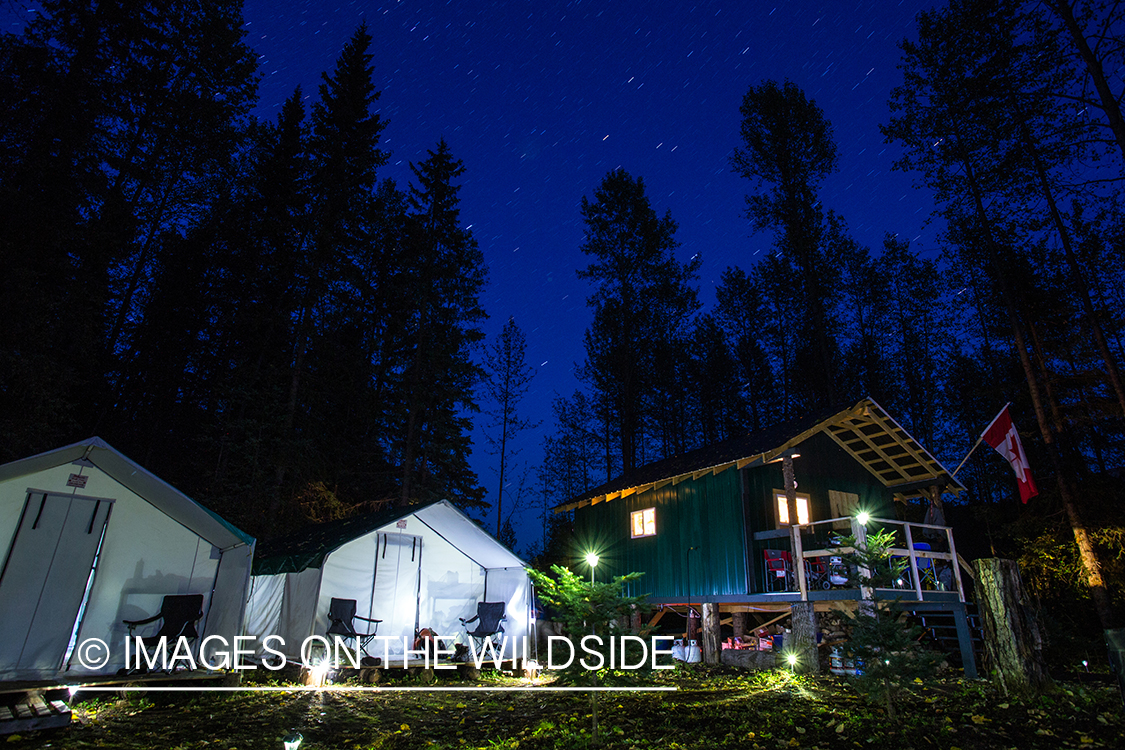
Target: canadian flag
(1001, 434)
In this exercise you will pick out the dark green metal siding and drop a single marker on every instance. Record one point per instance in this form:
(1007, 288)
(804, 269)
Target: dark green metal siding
(699, 545)
(822, 466)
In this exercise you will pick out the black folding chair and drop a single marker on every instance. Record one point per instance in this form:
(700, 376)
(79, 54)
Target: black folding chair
(488, 618)
(341, 622)
(179, 614)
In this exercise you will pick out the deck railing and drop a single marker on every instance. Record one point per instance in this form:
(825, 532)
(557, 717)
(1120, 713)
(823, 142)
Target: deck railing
(816, 560)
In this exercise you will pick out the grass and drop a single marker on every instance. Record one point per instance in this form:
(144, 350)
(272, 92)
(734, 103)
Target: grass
(711, 708)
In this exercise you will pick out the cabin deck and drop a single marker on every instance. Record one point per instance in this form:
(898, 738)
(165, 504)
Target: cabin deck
(930, 580)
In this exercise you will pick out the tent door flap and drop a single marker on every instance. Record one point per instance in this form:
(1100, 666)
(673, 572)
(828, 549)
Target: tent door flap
(44, 578)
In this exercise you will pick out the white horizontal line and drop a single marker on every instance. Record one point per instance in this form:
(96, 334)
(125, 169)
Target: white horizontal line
(349, 689)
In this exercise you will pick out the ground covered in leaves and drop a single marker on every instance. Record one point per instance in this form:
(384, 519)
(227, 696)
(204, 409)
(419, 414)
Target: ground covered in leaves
(710, 708)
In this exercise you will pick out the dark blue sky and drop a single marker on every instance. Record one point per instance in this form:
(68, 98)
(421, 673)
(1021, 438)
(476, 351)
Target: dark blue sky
(541, 99)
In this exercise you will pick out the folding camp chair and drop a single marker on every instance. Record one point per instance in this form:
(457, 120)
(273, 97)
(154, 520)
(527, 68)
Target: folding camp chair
(816, 573)
(179, 614)
(488, 618)
(779, 570)
(341, 622)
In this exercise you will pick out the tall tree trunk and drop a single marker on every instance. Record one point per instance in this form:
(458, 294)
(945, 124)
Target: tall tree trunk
(1086, 551)
(1078, 280)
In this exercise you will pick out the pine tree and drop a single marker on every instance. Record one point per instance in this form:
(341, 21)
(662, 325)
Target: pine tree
(980, 103)
(447, 274)
(642, 299)
(509, 377)
(787, 149)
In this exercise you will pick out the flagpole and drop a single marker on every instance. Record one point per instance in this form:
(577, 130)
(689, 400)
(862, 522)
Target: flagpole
(979, 440)
(966, 458)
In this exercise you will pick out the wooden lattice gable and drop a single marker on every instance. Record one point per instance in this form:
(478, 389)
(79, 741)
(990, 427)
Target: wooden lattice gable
(889, 452)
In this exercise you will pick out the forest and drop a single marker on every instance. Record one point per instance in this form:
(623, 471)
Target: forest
(253, 312)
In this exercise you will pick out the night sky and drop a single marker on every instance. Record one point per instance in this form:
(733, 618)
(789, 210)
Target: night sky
(541, 99)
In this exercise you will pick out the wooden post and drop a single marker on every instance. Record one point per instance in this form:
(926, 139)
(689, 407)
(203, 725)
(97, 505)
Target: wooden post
(804, 638)
(796, 552)
(738, 623)
(1012, 641)
(859, 533)
(711, 633)
(914, 563)
(956, 565)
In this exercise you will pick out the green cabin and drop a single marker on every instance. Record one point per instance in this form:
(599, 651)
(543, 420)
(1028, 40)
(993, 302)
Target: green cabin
(698, 524)
(711, 527)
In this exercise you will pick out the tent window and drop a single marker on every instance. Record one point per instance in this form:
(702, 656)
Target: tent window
(643, 522)
(783, 508)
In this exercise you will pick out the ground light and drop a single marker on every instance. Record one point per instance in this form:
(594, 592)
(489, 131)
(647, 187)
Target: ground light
(863, 517)
(292, 741)
(791, 659)
(319, 673)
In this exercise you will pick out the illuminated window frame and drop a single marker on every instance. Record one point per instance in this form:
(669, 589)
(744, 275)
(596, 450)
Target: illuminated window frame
(803, 505)
(642, 523)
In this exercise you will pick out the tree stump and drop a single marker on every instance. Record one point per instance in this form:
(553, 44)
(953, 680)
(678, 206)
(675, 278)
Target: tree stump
(804, 638)
(711, 634)
(1013, 646)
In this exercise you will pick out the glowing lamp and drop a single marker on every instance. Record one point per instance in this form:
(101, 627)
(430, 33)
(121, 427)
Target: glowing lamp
(592, 560)
(791, 659)
(863, 517)
(292, 741)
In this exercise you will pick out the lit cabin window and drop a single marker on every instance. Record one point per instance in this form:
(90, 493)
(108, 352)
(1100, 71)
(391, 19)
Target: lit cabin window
(783, 508)
(644, 522)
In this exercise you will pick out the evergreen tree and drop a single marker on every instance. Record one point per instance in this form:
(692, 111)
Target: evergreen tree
(509, 379)
(642, 298)
(750, 323)
(120, 120)
(787, 149)
(980, 115)
(447, 274)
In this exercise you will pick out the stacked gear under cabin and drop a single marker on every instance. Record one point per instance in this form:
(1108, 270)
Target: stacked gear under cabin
(88, 539)
(412, 568)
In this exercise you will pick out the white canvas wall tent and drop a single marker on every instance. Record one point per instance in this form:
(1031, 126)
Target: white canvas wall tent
(413, 568)
(88, 538)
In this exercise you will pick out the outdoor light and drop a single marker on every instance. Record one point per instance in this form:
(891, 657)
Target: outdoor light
(292, 741)
(592, 560)
(863, 517)
(792, 659)
(320, 674)
(1086, 664)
